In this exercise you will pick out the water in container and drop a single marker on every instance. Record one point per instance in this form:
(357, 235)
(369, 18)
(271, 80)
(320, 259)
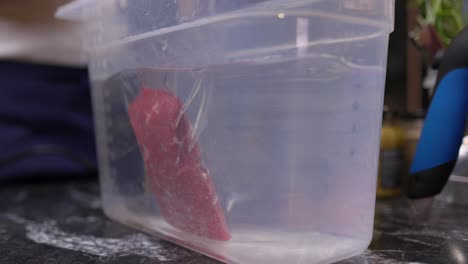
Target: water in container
(246, 130)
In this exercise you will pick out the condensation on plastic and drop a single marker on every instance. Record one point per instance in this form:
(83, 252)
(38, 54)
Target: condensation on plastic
(281, 103)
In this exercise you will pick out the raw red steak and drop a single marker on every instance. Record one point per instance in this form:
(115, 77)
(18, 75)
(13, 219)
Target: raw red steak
(185, 193)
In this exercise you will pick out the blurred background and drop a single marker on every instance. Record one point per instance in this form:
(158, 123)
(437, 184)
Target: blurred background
(45, 106)
(47, 134)
(423, 30)
(46, 121)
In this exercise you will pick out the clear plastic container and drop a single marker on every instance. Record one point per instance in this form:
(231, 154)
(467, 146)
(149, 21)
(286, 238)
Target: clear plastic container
(247, 130)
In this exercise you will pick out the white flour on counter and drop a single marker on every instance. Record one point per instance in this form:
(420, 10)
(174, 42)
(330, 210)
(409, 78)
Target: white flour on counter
(139, 244)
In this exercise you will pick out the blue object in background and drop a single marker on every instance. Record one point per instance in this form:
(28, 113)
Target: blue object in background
(444, 128)
(46, 124)
(445, 124)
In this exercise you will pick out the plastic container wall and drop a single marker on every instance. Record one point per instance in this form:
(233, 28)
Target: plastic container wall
(246, 130)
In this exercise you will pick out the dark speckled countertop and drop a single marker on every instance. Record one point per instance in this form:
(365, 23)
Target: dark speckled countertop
(61, 222)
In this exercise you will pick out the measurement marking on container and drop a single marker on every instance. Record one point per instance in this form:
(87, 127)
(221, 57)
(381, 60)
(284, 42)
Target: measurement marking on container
(356, 106)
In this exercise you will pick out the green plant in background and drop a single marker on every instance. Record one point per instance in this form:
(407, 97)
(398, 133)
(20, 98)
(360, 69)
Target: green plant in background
(445, 15)
(465, 11)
